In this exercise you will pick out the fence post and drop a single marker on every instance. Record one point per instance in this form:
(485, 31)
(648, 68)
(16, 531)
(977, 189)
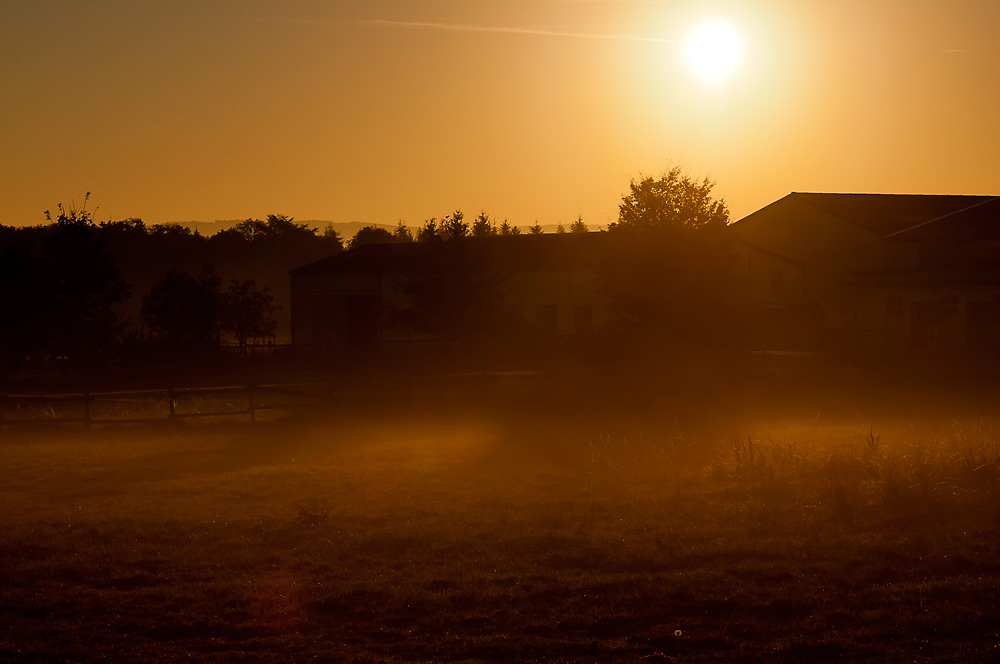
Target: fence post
(170, 403)
(253, 417)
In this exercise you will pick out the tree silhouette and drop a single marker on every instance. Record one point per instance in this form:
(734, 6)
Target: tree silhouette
(578, 226)
(673, 201)
(275, 229)
(454, 226)
(402, 233)
(331, 238)
(28, 285)
(248, 313)
(483, 226)
(370, 235)
(66, 283)
(507, 229)
(536, 229)
(183, 312)
(88, 285)
(80, 287)
(72, 215)
(429, 231)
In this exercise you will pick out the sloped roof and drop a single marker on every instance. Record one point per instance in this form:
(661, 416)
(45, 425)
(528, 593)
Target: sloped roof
(518, 253)
(888, 214)
(980, 221)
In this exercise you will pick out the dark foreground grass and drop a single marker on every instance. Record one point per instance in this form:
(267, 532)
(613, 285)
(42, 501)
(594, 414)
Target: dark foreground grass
(464, 542)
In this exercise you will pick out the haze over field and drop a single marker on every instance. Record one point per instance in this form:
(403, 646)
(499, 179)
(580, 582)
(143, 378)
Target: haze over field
(389, 110)
(454, 423)
(486, 520)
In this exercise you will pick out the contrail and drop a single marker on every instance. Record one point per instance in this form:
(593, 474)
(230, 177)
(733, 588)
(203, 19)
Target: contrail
(460, 27)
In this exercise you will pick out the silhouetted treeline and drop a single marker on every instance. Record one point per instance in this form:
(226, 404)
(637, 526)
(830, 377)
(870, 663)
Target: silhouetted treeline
(61, 286)
(85, 292)
(449, 227)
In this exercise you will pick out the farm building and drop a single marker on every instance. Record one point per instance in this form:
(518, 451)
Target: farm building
(901, 273)
(915, 273)
(358, 300)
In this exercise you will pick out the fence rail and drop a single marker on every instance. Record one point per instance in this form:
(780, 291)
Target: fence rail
(150, 405)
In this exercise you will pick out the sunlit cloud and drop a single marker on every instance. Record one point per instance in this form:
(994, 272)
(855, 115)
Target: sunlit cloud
(544, 32)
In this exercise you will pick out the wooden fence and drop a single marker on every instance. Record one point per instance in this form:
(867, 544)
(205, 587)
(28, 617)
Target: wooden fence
(171, 403)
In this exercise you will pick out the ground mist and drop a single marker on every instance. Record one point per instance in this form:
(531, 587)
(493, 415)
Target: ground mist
(526, 521)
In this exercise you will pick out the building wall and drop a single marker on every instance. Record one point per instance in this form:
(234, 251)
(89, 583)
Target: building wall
(321, 304)
(562, 302)
(920, 319)
(811, 236)
(767, 279)
(831, 249)
(916, 293)
(329, 310)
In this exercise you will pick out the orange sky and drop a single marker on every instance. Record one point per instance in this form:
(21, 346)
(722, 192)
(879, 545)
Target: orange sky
(530, 109)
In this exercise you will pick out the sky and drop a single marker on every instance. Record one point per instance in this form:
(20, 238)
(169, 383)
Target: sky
(529, 110)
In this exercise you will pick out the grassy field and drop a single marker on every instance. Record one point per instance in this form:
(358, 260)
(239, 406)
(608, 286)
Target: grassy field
(469, 538)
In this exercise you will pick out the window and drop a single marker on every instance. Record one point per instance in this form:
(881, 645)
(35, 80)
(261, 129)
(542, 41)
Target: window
(777, 280)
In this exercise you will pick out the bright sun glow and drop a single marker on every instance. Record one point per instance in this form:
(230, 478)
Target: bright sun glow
(713, 51)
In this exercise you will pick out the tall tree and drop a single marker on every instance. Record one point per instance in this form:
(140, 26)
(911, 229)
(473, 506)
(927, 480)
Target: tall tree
(247, 312)
(402, 232)
(578, 226)
(28, 284)
(85, 286)
(672, 201)
(429, 231)
(370, 235)
(183, 312)
(332, 238)
(483, 226)
(454, 226)
(507, 229)
(276, 228)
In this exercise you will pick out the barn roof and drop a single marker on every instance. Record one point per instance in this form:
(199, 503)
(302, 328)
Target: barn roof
(889, 215)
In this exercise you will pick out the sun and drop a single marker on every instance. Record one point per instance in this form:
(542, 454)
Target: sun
(713, 51)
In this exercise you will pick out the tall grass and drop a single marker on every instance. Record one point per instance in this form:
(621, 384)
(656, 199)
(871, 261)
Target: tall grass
(857, 476)
(452, 541)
